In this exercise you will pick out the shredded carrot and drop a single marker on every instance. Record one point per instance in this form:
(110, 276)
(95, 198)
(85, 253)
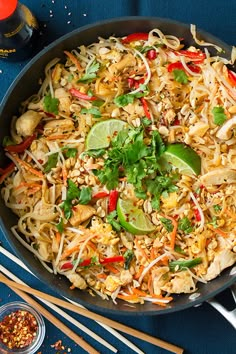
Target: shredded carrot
(128, 297)
(33, 190)
(138, 274)
(173, 232)
(68, 252)
(218, 231)
(169, 298)
(101, 276)
(164, 261)
(111, 268)
(74, 60)
(58, 237)
(150, 285)
(222, 233)
(139, 292)
(64, 176)
(28, 167)
(72, 287)
(92, 245)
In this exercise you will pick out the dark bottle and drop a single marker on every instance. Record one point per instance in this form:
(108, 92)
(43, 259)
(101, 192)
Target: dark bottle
(18, 31)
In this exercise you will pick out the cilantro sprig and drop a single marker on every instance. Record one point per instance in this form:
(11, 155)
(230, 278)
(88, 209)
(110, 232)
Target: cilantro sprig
(50, 104)
(136, 155)
(75, 196)
(90, 73)
(219, 116)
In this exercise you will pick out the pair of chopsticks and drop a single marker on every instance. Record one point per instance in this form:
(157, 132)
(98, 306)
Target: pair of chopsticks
(85, 329)
(22, 290)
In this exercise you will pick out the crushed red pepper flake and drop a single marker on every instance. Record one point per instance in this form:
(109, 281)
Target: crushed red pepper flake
(18, 329)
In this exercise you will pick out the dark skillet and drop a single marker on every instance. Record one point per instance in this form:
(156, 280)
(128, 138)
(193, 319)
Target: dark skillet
(24, 86)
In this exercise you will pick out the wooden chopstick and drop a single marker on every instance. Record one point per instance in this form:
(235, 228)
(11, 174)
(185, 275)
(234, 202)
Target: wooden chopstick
(93, 316)
(67, 331)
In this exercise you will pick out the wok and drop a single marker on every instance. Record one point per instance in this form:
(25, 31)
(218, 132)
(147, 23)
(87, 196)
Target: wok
(24, 86)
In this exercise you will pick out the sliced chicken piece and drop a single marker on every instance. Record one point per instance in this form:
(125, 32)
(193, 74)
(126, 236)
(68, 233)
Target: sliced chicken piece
(112, 282)
(181, 283)
(198, 129)
(219, 176)
(27, 122)
(160, 277)
(127, 61)
(226, 131)
(64, 100)
(77, 281)
(81, 213)
(58, 126)
(222, 260)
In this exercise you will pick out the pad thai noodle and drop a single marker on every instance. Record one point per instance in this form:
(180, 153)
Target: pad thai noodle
(122, 168)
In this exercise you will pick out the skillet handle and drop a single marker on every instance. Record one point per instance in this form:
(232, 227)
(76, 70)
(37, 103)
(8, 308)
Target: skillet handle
(230, 316)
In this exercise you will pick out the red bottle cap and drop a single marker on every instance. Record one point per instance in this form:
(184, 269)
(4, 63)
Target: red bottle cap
(7, 7)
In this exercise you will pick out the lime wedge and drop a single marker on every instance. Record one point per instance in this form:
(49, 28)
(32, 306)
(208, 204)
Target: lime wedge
(101, 133)
(184, 158)
(133, 219)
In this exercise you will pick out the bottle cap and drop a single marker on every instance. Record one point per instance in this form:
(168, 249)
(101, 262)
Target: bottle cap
(7, 7)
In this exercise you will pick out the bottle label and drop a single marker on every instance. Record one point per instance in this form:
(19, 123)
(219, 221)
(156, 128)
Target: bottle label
(5, 52)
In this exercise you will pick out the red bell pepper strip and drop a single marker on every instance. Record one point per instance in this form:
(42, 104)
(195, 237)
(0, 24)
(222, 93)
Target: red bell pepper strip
(22, 146)
(136, 84)
(151, 54)
(145, 107)
(194, 56)
(179, 66)
(139, 36)
(82, 95)
(112, 259)
(232, 77)
(101, 195)
(4, 172)
(113, 198)
(197, 214)
(69, 265)
(7, 169)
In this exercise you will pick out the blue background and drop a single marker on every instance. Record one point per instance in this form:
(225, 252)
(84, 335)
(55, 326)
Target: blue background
(199, 330)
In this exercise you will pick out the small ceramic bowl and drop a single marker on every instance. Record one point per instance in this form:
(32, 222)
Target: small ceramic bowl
(32, 336)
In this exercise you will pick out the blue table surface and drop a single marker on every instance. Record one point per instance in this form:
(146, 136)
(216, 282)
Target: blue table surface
(199, 330)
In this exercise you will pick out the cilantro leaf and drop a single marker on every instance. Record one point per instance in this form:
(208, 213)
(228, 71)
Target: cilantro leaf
(51, 163)
(129, 255)
(184, 224)
(94, 111)
(85, 195)
(60, 226)
(73, 191)
(124, 100)
(111, 219)
(219, 116)
(70, 152)
(90, 73)
(167, 224)
(180, 76)
(50, 104)
(217, 207)
(66, 206)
